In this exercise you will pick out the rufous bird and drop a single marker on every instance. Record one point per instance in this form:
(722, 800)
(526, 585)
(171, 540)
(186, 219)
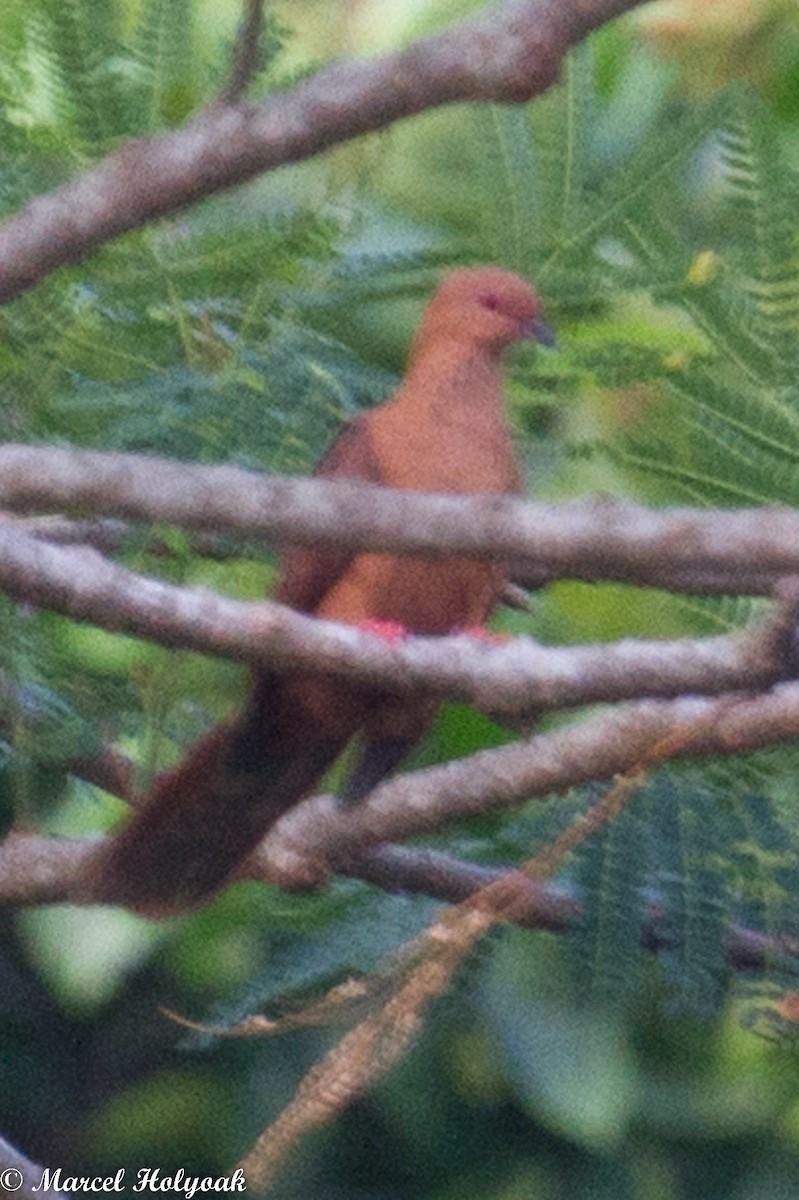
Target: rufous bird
(444, 430)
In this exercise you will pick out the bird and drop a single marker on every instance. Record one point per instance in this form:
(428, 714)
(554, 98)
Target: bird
(444, 430)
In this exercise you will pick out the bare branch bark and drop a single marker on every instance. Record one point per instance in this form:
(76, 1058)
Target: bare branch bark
(22, 1178)
(509, 53)
(43, 870)
(112, 536)
(663, 574)
(245, 54)
(443, 877)
(595, 749)
(549, 906)
(515, 678)
(594, 538)
(39, 870)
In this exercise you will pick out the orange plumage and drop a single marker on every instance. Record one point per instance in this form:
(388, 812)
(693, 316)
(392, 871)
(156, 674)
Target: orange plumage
(443, 431)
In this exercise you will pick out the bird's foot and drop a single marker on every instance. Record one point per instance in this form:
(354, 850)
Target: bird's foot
(389, 631)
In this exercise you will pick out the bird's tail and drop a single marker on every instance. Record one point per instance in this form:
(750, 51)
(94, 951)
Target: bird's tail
(204, 818)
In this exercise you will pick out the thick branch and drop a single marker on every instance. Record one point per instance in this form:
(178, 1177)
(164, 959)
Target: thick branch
(510, 53)
(516, 678)
(596, 749)
(595, 538)
(113, 536)
(549, 906)
(38, 870)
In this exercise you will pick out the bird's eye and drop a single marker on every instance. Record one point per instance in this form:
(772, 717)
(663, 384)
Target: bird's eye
(490, 300)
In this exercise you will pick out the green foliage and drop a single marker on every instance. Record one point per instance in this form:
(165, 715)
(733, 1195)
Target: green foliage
(206, 337)
(695, 859)
(662, 237)
(350, 932)
(736, 401)
(217, 335)
(170, 328)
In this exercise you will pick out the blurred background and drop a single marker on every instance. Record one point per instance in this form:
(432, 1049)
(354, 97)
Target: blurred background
(653, 198)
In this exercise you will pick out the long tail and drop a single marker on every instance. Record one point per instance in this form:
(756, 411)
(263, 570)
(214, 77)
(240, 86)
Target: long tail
(204, 818)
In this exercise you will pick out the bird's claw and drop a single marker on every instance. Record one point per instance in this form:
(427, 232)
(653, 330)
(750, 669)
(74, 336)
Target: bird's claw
(389, 631)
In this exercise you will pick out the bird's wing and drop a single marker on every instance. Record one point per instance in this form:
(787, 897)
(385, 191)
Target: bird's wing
(308, 572)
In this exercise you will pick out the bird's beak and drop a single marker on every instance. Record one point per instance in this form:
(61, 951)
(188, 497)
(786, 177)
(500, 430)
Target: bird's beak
(540, 332)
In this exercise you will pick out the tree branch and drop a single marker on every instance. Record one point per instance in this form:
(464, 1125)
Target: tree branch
(39, 870)
(517, 678)
(245, 54)
(667, 576)
(320, 830)
(594, 538)
(112, 536)
(549, 906)
(593, 750)
(21, 1178)
(509, 53)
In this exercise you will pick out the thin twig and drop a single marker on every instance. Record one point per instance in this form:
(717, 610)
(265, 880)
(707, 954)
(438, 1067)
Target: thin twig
(422, 970)
(112, 536)
(246, 53)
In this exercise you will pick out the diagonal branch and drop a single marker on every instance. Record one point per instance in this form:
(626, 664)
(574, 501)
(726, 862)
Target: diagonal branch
(21, 1178)
(245, 54)
(40, 870)
(592, 750)
(509, 53)
(516, 678)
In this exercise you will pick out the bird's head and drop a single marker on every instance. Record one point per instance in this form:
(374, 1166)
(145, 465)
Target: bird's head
(488, 307)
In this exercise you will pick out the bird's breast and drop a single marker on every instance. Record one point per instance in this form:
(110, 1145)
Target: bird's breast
(444, 432)
(446, 428)
(427, 596)
(448, 455)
